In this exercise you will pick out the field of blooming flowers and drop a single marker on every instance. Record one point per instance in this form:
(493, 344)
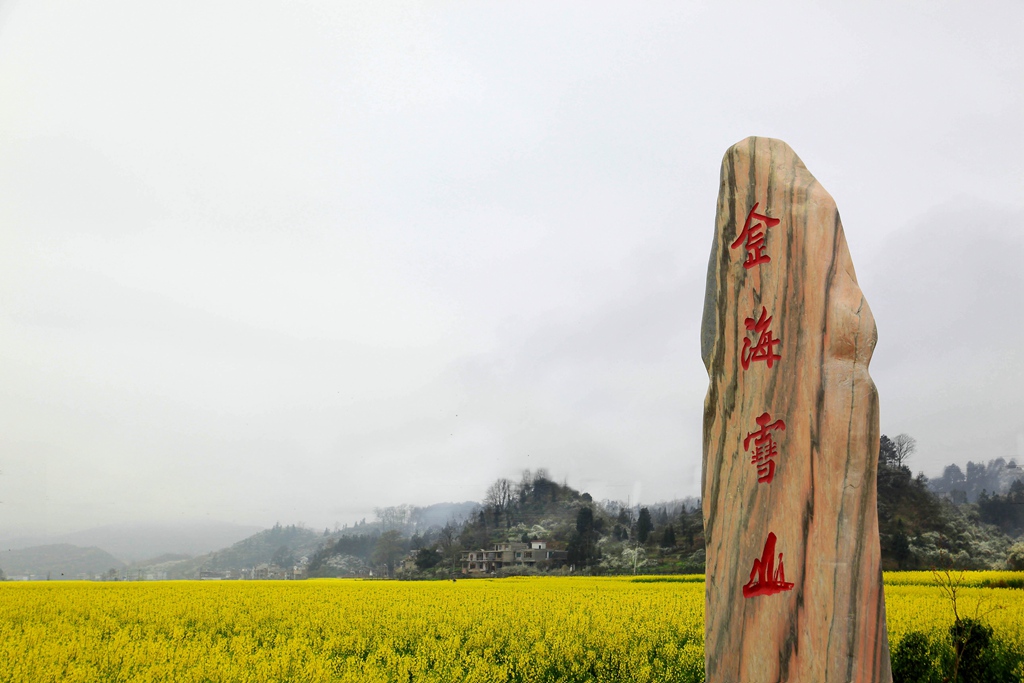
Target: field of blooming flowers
(647, 629)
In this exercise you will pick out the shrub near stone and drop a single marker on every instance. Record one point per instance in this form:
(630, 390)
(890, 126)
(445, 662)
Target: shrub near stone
(983, 658)
(913, 660)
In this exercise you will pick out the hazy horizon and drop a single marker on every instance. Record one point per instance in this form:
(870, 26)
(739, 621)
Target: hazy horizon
(267, 262)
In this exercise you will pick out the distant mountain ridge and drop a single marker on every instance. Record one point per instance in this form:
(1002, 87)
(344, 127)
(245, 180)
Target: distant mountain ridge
(58, 561)
(922, 523)
(282, 545)
(182, 551)
(136, 542)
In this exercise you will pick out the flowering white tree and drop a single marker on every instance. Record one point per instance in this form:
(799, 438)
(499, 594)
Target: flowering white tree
(635, 557)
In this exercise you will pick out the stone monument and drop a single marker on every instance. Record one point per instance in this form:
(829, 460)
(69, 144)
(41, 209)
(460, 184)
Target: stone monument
(794, 580)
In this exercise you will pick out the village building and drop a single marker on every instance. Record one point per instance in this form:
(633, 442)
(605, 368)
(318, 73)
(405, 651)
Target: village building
(535, 554)
(207, 575)
(266, 572)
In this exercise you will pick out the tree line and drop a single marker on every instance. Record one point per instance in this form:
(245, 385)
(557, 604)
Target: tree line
(974, 521)
(952, 521)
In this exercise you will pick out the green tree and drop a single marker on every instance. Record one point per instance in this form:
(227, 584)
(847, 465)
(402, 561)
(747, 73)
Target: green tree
(899, 546)
(644, 525)
(1004, 511)
(582, 547)
(427, 558)
(668, 537)
(388, 549)
(447, 540)
(907, 509)
(691, 528)
(886, 452)
(952, 482)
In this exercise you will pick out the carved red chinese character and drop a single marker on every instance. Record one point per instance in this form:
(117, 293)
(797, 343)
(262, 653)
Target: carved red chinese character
(753, 238)
(765, 577)
(765, 347)
(765, 447)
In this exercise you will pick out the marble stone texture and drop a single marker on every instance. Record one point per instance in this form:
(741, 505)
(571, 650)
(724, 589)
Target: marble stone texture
(782, 299)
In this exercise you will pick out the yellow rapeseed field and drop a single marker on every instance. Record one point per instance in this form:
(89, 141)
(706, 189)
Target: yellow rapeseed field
(520, 629)
(913, 602)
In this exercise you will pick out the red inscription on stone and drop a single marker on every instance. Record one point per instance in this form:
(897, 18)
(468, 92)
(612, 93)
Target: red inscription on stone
(765, 447)
(752, 237)
(765, 577)
(765, 347)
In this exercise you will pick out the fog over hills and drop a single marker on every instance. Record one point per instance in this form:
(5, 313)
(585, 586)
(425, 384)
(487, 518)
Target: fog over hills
(184, 547)
(134, 542)
(58, 561)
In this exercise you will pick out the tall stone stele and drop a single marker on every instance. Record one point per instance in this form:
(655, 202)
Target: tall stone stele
(794, 581)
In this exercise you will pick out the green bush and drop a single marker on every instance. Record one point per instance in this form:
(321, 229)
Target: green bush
(913, 660)
(983, 659)
(971, 641)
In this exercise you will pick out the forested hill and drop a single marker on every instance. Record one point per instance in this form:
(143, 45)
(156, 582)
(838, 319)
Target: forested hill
(981, 479)
(972, 520)
(921, 525)
(58, 561)
(598, 537)
(953, 520)
(604, 537)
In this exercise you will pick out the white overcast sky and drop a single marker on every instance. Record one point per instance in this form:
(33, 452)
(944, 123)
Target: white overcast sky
(290, 261)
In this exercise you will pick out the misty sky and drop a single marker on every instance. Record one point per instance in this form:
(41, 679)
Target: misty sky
(290, 261)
